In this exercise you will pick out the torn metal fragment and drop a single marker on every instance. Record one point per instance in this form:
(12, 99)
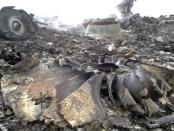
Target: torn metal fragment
(31, 92)
(50, 92)
(51, 88)
(140, 90)
(84, 105)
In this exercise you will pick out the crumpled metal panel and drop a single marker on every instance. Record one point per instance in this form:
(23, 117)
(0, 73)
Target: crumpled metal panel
(35, 99)
(141, 90)
(84, 105)
(51, 92)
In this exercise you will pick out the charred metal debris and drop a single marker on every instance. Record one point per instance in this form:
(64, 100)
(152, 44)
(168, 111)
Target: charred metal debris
(106, 93)
(16, 24)
(62, 81)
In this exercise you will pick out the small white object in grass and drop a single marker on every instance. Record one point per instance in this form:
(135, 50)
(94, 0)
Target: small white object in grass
(2, 114)
(151, 60)
(123, 49)
(160, 39)
(164, 53)
(137, 127)
(89, 69)
(50, 43)
(172, 128)
(111, 47)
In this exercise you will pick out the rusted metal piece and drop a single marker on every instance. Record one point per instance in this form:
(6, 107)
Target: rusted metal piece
(54, 91)
(31, 92)
(84, 105)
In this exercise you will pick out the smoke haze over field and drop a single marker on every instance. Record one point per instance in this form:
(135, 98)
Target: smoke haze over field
(69, 11)
(76, 11)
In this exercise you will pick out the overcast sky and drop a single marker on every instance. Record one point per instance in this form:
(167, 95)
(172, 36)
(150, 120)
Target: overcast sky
(75, 11)
(71, 11)
(154, 8)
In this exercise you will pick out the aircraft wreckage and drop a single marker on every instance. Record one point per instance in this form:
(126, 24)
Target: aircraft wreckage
(16, 24)
(76, 82)
(61, 93)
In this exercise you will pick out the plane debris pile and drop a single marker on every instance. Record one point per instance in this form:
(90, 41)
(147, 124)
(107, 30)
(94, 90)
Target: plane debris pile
(64, 95)
(62, 81)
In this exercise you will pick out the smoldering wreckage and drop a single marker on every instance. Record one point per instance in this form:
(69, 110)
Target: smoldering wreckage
(118, 76)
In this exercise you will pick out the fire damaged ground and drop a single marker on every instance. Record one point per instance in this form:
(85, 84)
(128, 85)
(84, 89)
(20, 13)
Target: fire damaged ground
(64, 81)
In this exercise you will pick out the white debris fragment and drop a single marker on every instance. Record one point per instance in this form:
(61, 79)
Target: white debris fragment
(160, 39)
(123, 49)
(111, 47)
(49, 43)
(3, 63)
(164, 53)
